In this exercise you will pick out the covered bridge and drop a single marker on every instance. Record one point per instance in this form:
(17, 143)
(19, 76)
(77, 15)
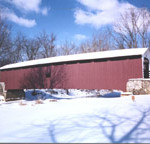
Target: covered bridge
(96, 70)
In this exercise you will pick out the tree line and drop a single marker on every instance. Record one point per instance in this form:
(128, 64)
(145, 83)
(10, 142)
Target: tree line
(131, 30)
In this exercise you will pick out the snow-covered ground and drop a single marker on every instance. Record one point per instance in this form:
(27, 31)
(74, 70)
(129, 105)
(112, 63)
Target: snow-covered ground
(92, 119)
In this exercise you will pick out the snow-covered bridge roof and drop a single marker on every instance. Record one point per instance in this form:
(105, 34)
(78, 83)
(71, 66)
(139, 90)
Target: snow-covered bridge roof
(79, 57)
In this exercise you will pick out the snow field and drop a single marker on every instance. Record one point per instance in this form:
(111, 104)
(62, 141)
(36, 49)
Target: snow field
(114, 120)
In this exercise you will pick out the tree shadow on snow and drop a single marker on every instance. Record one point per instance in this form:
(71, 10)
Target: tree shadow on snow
(103, 127)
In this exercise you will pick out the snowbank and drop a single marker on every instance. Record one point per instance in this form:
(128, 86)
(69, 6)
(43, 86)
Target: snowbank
(63, 94)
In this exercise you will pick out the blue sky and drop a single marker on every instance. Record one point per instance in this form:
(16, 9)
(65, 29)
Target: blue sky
(72, 20)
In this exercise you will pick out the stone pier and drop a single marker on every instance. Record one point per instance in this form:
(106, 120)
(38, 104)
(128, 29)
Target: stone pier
(138, 86)
(2, 89)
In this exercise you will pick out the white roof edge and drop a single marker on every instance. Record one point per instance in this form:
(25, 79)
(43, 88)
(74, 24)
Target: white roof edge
(78, 57)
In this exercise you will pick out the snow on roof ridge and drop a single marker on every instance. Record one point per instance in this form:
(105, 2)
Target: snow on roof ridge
(76, 57)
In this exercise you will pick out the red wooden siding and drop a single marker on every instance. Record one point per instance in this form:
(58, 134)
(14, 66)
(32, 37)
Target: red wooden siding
(108, 74)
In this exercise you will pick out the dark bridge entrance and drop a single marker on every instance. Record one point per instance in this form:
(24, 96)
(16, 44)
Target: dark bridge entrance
(146, 68)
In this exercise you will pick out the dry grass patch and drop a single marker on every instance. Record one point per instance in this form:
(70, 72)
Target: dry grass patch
(39, 101)
(52, 100)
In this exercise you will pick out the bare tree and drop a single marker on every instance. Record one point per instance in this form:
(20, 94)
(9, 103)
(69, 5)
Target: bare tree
(32, 47)
(19, 48)
(99, 42)
(67, 48)
(47, 44)
(132, 28)
(5, 42)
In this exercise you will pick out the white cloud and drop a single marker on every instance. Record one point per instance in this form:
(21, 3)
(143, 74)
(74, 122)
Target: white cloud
(99, 12)
(80, 37)
(25, 6)
(44, 11)
(99, 4)
(19, 20)
(29, 6)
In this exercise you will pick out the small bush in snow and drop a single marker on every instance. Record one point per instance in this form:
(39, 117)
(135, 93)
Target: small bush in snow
(133, 98)
(22, 103)
(34, 93)
(51, 91)
(39, 101)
